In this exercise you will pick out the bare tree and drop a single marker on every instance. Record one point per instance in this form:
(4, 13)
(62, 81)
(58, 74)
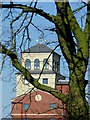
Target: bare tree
(74, 44)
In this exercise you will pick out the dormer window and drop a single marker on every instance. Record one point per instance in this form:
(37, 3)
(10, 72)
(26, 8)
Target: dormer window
(36, 64)
(28, 64)
(45, 63)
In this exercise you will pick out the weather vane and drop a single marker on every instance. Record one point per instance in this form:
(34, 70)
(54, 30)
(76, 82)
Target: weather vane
(41, 40)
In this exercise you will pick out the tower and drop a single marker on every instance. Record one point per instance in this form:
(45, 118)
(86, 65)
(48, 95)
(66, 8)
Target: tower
(38, 59)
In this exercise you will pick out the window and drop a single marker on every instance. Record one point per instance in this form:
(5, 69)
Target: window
(26, 118)
(26, 106)
(26, 82)
(56, 66)
(28, 64)
(45, 80)
(52, 118)
(52, 106)
(36, 64)
(36, 79)
(15, 105)
(45, 63)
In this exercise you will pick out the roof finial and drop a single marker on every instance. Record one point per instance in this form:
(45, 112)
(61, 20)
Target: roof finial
(36, 40)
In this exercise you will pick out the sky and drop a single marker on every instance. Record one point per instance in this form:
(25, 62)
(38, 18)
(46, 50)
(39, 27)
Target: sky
(0, 66)
(9, 78)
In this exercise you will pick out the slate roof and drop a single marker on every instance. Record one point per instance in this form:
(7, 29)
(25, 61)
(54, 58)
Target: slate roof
(63, 82)
(39, 48)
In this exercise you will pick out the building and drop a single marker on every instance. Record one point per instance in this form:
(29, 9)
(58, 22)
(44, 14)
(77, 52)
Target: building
(31, 102)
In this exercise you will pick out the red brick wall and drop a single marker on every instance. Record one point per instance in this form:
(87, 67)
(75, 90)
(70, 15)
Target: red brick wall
(64, 88)
(37, 107)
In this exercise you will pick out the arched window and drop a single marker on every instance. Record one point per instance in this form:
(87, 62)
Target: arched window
(26, 82)
(28, 64)
(36, 64)
(45, 63)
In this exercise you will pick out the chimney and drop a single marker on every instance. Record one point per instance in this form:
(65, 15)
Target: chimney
(62, 86)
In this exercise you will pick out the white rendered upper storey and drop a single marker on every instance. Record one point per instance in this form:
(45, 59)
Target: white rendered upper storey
(35, 57)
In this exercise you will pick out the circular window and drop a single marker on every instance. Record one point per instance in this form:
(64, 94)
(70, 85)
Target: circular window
(38, 97)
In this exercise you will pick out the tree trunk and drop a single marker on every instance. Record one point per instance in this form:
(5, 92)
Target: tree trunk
(77, 105)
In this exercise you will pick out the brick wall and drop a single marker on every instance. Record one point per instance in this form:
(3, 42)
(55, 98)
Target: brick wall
(63, 88)
(37, 109)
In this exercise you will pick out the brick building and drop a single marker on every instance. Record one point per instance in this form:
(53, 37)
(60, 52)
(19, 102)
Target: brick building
(31, 102)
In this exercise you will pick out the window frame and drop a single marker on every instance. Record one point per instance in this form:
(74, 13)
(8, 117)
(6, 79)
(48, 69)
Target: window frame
(26, 107)
(29, 64)
(52, 118)
(36, 64)
(26, 82)
(45, 64)
(26, 118)
(36, 79)
(53, 106)
(45, 79)
(56, 65)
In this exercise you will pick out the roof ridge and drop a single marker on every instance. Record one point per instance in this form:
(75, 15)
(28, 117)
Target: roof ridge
(39, 48)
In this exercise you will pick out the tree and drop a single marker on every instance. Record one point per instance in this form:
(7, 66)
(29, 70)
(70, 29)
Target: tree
(75, 51)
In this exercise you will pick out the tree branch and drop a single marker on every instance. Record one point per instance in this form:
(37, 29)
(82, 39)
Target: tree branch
(4, 61)
(75, 28)
(12, 35)
(87, 26)
(63, 31)
(80, 8)
(78, 33)
(25, 8)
